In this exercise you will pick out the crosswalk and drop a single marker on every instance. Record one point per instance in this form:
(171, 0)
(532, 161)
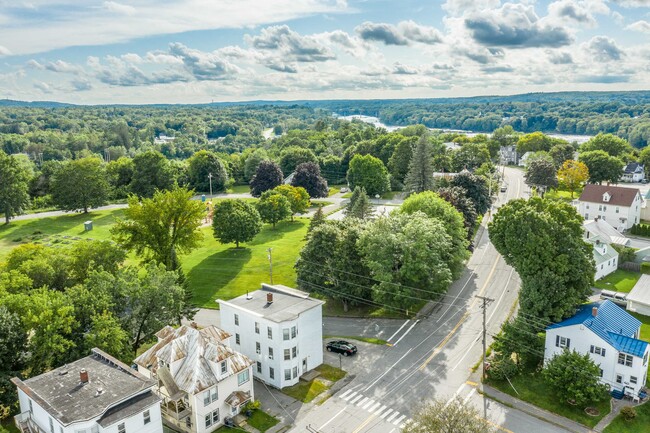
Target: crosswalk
(382, 411)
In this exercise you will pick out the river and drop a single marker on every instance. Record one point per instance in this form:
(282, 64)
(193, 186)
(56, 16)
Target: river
(375, 121)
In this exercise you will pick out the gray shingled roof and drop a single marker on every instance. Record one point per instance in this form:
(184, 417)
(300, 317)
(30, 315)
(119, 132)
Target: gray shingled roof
(619, 196)
(61, 393)
(287, 303)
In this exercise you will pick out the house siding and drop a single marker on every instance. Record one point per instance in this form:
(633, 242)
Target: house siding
(624, 219)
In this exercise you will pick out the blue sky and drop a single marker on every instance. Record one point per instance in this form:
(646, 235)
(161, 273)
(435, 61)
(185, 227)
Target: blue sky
(193, 51)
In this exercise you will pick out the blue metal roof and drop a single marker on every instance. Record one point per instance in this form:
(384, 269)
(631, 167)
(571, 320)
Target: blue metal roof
(612, 323)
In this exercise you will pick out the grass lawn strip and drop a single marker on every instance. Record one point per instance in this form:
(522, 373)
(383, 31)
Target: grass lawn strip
(307, 391)
(619, 281)
(640, 424)
(262, 421)
(534, 390)
(645, 336)
(370, 340)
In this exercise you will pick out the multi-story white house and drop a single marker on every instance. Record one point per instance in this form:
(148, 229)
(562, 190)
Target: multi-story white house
(619, 206)
(602, 235)
(610, 335)
(280, 328)
(95, 394)
(633, 172)
(199, 377)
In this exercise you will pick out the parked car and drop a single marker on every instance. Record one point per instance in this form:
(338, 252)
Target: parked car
(342, 347)
(504, 187)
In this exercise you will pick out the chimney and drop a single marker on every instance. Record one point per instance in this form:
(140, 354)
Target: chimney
(269, 298)
(594, 311)
(83, 376)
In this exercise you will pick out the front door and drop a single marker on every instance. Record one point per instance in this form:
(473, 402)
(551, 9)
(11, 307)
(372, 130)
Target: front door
(304, 366)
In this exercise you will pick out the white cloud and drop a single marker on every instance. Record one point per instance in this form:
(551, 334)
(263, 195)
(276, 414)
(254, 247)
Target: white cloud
(633, 3)
(604, 49)
(93, 22)
(640, 26)
(4, 51)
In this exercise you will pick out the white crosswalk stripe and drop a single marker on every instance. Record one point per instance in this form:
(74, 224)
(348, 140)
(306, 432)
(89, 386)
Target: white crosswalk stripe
(392, 417)
(350, 396)
(355, 399)
(345, 393)
(385, 414)
(373, 407)
(363, 401)
(399, 420)
(381, 409)
(366, 403)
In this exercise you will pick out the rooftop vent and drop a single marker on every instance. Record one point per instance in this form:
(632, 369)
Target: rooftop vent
(594, 311)
(100, 391)
(83, 376)
(269, 298)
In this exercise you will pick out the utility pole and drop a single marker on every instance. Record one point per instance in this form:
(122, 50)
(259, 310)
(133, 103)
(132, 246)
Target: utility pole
(210, 177)
(270, 263)
(486, 301)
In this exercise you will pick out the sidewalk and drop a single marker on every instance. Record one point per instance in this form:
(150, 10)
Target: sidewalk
(528, 408)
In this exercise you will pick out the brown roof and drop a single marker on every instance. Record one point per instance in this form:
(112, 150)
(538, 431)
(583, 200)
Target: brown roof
(620, 196)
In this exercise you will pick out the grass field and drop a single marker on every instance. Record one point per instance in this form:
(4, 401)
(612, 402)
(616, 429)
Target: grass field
(43, 230)
(239, 189)
(640, 424)
(221, 271)
(307, 391)
(370, 340)
(262, 421)
(619, 281)
(533, 389)
(562, 195)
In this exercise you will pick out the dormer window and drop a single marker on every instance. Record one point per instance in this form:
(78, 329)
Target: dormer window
(606, 197)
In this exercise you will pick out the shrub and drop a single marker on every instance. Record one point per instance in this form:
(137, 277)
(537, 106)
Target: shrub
(645, 268)
(502, 368)
(625, 254)
(628, 413)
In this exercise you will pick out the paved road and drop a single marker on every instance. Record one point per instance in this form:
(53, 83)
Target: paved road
(433, 357)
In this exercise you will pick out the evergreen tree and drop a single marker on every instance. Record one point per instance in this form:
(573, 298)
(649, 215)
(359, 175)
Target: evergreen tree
(316, 220)
(359, 205)
(420, 175)
(13, 186)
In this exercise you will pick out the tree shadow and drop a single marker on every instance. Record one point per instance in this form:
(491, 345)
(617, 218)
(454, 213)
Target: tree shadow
(211, 275)
(270, 234)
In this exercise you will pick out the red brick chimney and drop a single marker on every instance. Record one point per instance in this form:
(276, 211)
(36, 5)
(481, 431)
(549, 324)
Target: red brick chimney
(594, 311)
(269, 298)
(83, 376)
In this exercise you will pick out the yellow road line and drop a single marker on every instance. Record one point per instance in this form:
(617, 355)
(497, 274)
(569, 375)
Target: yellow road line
(436, 350)
(363, 424)
(470, 383)
(496, 425)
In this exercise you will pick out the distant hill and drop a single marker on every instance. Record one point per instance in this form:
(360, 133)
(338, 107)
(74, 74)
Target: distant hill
(38, 104)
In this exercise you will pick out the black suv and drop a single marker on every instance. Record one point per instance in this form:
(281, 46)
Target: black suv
(341, 346)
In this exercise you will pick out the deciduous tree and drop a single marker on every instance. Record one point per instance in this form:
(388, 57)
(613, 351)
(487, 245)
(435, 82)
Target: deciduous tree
(573, 175)
(293, 156)
(602, 167)
(477, 190)
(151, 172)
(370, 173)
(14, 184)
(267, 176)
(575, 377)
(252, 161)
(80, 184)
(609, 143)
(298, 198)
(307, 176)
(203, 164)
(442, 416)
(541, 175)
(160, 228)
(456, 196)
(273, 207)
(561, 152)
(235, 221)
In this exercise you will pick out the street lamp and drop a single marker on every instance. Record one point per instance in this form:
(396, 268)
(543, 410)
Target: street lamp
(210, 177)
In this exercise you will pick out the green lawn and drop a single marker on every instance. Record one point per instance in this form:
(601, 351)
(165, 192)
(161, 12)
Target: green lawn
(10, 426)
(389, 195)
(262, 421)
(334, 308)
(562, 195)
(239, 189)
(619, 281)
(364, 339)
(330, 373)
(645, 335)
(640, 424)
(534, 390)
(307, 391)
(221, 271)
(55, 229)
(334, 189)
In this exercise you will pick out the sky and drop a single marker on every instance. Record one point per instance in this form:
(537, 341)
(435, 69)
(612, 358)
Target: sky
(198, 51)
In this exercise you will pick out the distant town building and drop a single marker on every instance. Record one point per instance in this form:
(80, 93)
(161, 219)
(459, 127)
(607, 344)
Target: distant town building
(280, 328)
(199, 377)
(619, 206)
(524, 159)
(508, 155)
(162, 139)
(633, 172)
(94, 394)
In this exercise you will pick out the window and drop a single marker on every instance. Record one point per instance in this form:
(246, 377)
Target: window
(259, 367)
(146, 416)
(619, 378)
(600, 207)
(237, 341)
(52, 426)
(633, 380)
(562, 342)
(237, 319)
(645, 361)
(294, 352)
(215, 394)
(243, 377)
(224, 367)
(295, 372)
(586, 216)
(206, 398)
(258, 348)
(270, 353)
(287, 374)
(625, 359)
(294, 332)
(210, 396)
(285, 334)
(121, 428)
(95, 429)
(601, 372)
(212, 418)
(616, 209)
(257, 328)
(597, 350)
(605, 208)
(269, 332)
(287, 355)
(271, 373)
(31, 408)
